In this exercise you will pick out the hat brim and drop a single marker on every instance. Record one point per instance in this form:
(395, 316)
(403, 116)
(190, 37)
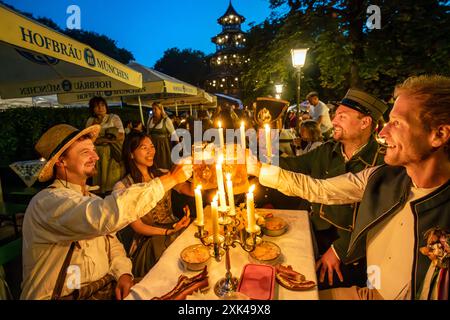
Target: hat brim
(47, 171)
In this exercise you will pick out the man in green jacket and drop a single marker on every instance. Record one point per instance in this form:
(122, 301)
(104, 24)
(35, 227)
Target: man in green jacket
(352, 149)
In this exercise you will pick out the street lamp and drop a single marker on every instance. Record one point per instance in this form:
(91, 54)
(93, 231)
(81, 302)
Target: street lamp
(278, 91)
(298, 60)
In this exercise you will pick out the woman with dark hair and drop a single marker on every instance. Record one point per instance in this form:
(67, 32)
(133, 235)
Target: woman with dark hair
(108, 144)
(161, 130)
(156, 230)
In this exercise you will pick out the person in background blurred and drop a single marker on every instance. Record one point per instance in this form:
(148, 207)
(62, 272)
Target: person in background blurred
(162, 132)
(108, 144)
(310, 133)
(319, 112)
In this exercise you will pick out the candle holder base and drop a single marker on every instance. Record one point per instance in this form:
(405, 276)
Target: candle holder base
(225, 286)
(250, 242)
(202, 233)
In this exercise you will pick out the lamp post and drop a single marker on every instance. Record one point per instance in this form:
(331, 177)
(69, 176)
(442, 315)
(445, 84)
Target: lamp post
(278, 91)
(298, 60)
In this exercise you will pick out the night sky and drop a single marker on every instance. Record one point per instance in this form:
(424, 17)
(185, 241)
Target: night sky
(148, 27)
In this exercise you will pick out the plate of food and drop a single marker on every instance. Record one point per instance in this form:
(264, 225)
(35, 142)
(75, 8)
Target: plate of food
(266, 252)
(274, 226)
(195, 257)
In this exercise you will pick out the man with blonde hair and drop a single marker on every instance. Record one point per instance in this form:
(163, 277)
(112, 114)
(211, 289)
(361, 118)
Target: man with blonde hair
(405, 205)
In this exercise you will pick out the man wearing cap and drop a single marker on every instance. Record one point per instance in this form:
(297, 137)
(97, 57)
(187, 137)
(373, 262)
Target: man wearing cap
(70, 250)
(403, 221)
(352, 149)
(319, 112)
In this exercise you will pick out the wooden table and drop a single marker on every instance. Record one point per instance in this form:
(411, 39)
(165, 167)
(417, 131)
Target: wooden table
(296, 247)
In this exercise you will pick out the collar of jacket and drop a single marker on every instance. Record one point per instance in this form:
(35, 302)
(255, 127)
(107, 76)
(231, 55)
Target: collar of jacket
(396, 185)
(366, 154)
(386, 193)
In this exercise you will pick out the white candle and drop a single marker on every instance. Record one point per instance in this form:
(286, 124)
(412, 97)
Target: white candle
(221, 135)
(230, 195)
(220, 184)
(251, 210)
(199, 205)
(215, 220)
(268, 141)
(242, 130)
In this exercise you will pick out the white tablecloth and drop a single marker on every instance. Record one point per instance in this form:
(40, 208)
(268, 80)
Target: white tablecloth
(296, 247)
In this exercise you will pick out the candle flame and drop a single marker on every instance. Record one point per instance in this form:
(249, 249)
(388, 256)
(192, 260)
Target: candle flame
(267, 126)
(228, 175)
(220, 124)
(242, 124)
(216, 198)
(199, 187)
(251, 189)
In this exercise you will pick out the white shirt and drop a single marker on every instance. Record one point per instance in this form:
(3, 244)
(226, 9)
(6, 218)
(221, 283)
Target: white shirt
(318, 110)
(57, 216)
(389, 246)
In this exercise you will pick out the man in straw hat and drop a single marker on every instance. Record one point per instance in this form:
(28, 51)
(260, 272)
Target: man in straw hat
(69, 240)
(400, 201)
(352, 149)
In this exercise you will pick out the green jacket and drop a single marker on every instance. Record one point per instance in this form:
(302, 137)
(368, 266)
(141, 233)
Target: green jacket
(386, 193)
(327, 161)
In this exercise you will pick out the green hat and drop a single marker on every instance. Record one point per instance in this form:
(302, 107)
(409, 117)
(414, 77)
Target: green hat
(364, 103)
(269, 110)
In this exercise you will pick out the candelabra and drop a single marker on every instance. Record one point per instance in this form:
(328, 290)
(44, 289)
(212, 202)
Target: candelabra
(233, 236)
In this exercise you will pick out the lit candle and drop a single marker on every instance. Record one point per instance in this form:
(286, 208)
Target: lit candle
(199, 205)
(251, 225)
(215, 220)
(221, 135)
(268, 142)
(242, 130)
(230, 195)
(220, 184)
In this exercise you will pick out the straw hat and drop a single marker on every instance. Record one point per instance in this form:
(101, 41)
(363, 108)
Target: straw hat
(56, 140)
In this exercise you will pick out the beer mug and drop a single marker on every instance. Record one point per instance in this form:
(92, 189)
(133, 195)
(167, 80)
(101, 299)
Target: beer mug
(205, 157)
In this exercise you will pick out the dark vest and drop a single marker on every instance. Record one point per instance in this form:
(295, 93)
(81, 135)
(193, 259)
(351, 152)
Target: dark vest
(386, 193)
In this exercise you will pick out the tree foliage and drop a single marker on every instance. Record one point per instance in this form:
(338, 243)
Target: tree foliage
(101, 43)
(343, 52)
(188, 65)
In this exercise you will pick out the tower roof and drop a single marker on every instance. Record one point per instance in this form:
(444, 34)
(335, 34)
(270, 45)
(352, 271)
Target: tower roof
(231, 13)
